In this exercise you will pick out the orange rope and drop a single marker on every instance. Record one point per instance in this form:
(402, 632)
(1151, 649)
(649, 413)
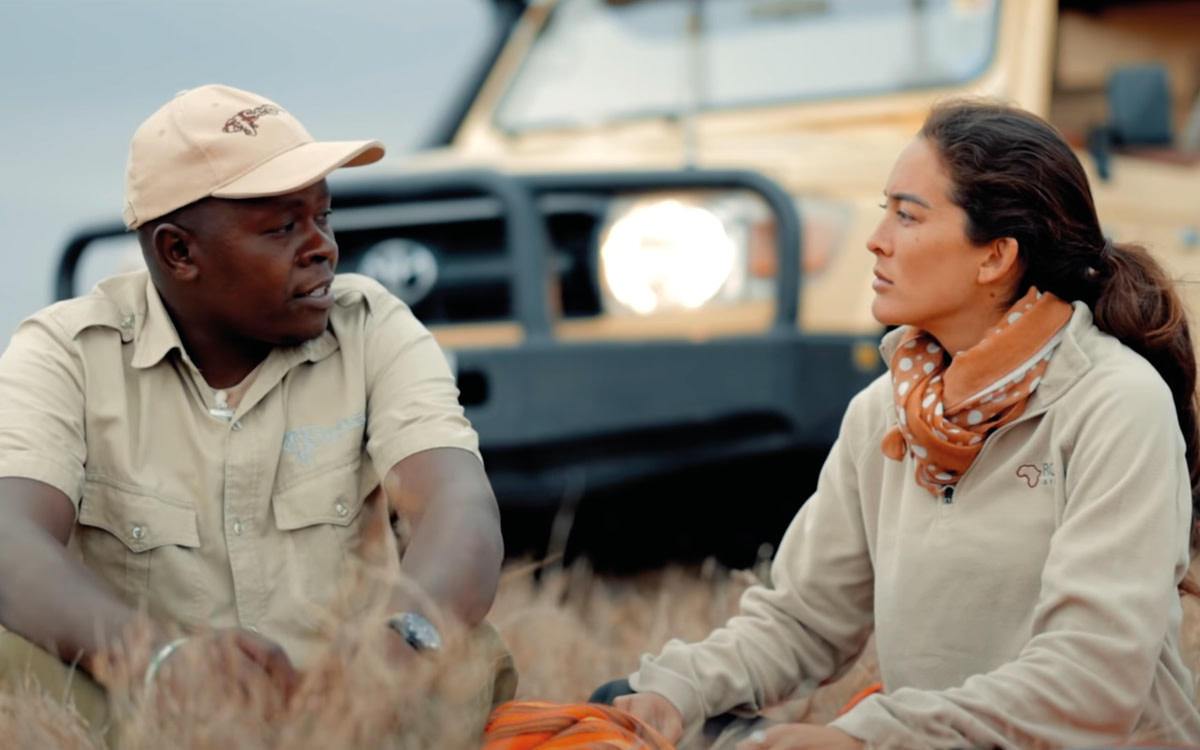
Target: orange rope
(541, 725)
(862, 695)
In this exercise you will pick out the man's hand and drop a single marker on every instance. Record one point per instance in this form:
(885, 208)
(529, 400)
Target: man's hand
(255, 666)
(655, 710)
(268, 656)
(800, 737)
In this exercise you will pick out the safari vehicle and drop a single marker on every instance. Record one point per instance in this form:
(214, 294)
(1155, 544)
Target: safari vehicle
(640, 235)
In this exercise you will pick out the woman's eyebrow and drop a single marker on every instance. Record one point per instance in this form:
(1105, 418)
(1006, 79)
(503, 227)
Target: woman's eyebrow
(910, 197)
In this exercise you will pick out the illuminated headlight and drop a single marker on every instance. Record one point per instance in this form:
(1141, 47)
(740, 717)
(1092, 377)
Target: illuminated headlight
(666, 255)
(673, 252)
(682, 251)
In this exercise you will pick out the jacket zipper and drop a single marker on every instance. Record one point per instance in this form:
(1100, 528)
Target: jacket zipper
(949, 491)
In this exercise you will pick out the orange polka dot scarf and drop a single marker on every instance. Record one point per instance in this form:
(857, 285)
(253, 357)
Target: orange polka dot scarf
(946, 407)
(542, 725)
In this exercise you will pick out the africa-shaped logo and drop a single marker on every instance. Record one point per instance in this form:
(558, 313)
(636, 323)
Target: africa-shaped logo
(1030, 473)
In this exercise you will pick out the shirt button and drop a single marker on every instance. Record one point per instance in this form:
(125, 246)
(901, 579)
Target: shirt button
(127, 321)
(341, 509)
(138, 532)
(237, 426)
(252, 629)
(238, 528)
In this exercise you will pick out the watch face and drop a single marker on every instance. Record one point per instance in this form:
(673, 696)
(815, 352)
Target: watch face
(417, 631)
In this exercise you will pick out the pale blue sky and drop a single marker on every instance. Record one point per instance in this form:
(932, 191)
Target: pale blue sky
(77, 76)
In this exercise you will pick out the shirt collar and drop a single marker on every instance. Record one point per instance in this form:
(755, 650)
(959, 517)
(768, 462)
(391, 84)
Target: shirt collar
(156, 336)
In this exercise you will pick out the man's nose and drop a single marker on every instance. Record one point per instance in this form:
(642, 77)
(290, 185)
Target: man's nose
(320, 246)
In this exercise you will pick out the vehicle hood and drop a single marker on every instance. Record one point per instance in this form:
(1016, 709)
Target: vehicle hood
(843, 161)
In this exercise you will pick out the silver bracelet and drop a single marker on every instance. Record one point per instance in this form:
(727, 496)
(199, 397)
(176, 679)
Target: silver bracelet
(158, 660)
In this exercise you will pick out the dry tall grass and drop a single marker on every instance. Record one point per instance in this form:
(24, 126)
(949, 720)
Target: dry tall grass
(569, 631)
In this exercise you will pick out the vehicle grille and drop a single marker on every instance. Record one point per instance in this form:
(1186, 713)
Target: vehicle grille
(465, 237)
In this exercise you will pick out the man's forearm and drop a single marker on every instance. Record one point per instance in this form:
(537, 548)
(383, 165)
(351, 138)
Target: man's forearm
(50, 598)
(455, 555)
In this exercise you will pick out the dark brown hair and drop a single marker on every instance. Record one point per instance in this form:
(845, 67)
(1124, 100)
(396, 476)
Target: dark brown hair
(1015, 176)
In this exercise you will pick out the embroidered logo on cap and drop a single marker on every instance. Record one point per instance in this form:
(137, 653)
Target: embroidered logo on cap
(246, 121)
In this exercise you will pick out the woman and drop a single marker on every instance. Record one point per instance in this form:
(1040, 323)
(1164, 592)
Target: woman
(1009, 508)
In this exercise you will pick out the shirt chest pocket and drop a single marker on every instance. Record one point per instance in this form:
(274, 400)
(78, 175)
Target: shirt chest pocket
(321, 519)
(145, 547)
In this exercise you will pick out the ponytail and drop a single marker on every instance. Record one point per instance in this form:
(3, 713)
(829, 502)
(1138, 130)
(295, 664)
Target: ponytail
(1140, 306)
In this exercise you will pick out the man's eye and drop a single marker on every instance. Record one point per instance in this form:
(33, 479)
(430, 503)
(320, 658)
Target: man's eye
(284, 229)
(323, 217)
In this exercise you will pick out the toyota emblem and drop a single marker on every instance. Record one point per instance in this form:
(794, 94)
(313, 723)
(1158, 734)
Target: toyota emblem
(405, 267)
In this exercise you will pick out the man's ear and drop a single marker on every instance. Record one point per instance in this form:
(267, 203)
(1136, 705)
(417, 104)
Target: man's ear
(173, 249)
(1001, 261)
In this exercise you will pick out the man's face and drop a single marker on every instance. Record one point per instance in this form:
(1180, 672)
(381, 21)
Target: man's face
(264, 266)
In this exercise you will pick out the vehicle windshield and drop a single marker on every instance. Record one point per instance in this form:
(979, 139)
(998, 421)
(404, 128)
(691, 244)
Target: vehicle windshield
(599, 61)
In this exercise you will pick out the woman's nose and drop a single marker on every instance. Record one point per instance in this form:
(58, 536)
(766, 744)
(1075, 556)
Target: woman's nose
(876, 242)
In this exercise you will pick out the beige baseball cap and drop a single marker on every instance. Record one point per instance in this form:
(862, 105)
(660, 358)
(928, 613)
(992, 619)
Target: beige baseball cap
(222, 142)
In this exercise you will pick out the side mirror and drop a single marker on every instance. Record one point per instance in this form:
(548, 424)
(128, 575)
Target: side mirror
(1139, 106)
(1139, 114)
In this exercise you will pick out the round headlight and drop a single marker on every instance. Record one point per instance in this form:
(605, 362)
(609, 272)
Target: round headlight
(666, 255)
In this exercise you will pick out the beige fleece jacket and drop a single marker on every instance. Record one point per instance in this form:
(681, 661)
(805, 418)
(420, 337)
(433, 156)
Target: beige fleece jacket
(1035, 607)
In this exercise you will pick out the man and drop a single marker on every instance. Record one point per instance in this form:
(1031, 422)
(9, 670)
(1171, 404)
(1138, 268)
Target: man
(197, 443)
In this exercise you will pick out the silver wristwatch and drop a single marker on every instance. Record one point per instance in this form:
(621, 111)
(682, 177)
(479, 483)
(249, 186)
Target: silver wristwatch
(417, 631)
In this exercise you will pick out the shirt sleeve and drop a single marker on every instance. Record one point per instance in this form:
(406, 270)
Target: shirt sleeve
(412, 396)
(42, 408)
(1108, 596)
(803, 628)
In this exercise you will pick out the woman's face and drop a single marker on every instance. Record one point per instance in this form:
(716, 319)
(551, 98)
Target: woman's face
(927, 273)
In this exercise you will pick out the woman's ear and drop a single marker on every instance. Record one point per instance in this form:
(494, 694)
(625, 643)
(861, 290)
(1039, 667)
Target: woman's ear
(1001, 261)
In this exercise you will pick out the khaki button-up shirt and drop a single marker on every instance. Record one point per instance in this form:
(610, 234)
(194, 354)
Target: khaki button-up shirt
(250, 519)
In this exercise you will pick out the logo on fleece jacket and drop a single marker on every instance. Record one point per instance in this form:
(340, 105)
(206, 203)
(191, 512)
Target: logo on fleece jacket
(1034, 475)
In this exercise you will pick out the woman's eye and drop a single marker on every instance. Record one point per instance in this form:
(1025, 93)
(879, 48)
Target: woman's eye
(904, 216)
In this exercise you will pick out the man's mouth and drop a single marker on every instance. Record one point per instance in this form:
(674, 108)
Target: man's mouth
(317, 293)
